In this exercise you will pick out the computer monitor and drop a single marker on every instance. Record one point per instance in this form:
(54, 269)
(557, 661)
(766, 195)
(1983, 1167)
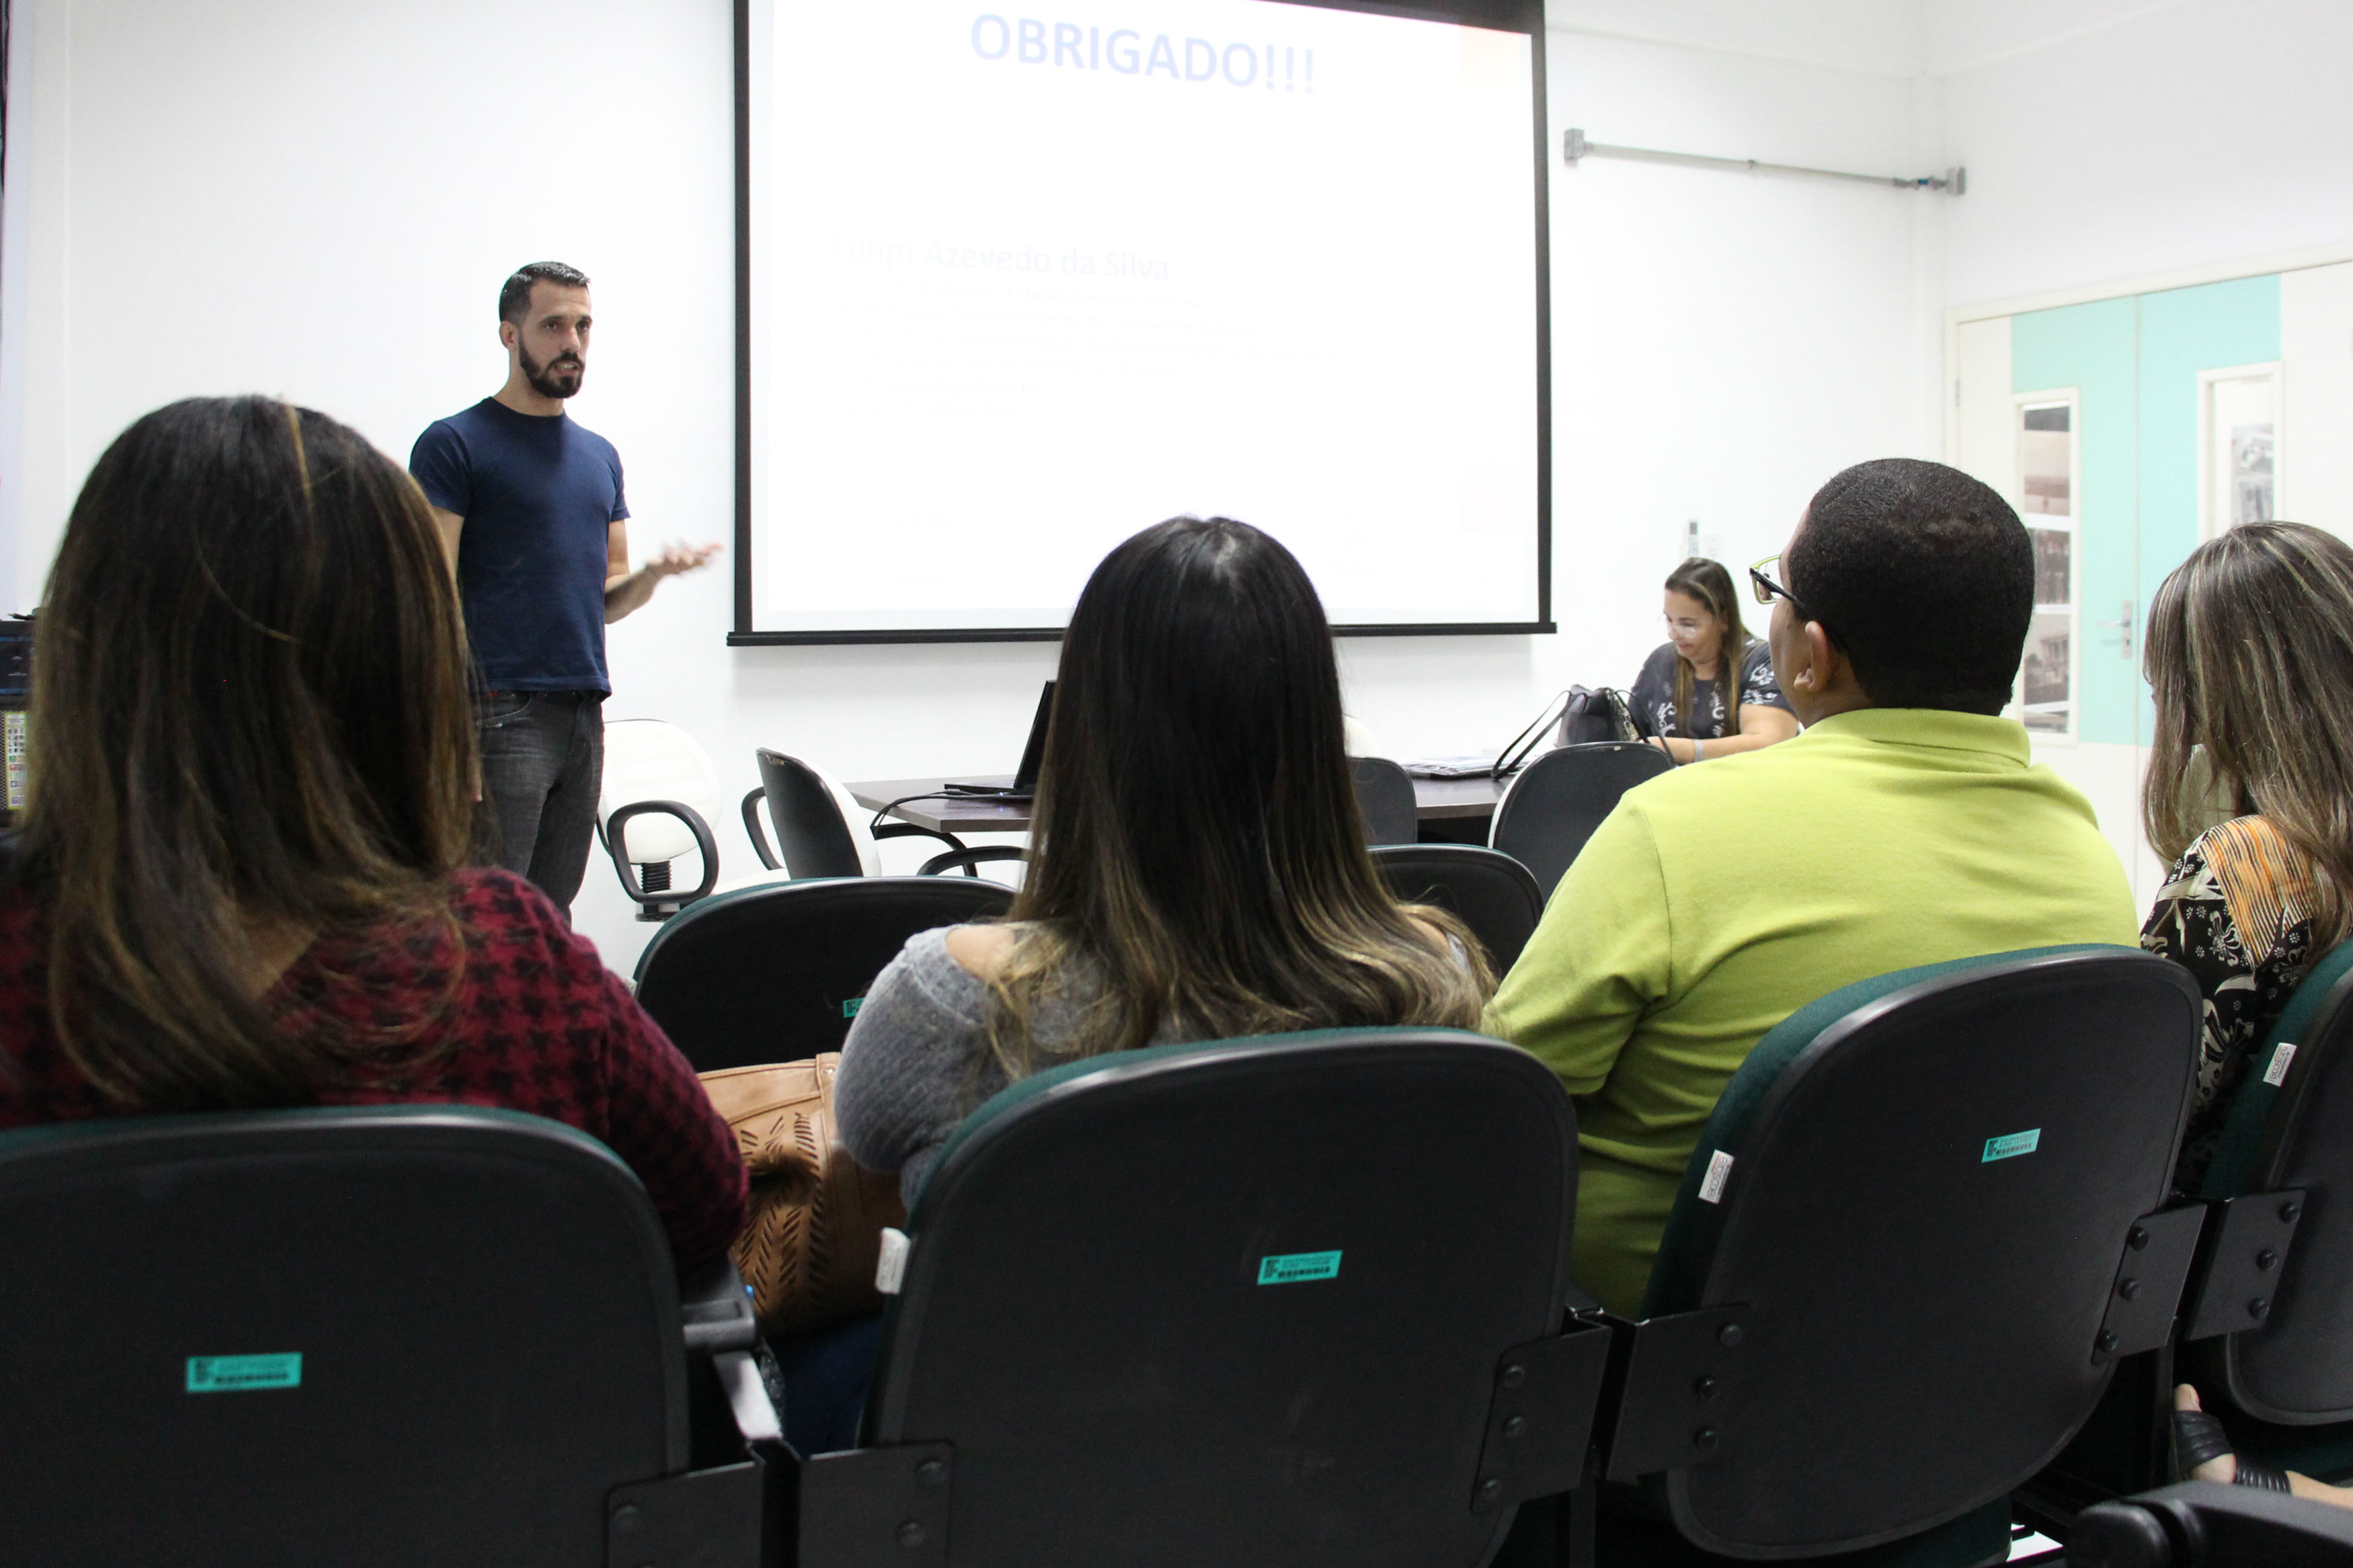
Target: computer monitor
(1023, 785)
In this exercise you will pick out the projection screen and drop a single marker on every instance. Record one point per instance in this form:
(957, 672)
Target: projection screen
(1012, 286)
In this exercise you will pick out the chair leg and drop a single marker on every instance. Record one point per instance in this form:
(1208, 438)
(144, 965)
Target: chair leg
(1573, 1524)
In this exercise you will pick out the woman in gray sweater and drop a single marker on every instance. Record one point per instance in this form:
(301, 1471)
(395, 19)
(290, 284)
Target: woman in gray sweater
(1199, 872)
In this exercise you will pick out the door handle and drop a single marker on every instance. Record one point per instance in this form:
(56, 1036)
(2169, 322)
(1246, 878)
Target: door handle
(2124, 627)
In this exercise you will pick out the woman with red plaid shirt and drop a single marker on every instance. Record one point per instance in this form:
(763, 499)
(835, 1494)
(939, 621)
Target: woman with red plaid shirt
(242, 880)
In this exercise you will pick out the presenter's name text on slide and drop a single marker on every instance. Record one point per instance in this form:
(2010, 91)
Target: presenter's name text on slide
(1278, 67)
(893, 253)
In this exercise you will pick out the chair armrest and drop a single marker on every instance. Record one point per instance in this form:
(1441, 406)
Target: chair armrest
(614, 846)
(723, 1509)
(2198, 1523)
(715, 1310)
(758, 835)
(967, 858)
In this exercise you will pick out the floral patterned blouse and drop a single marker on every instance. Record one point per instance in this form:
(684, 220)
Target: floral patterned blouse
(2237, 913)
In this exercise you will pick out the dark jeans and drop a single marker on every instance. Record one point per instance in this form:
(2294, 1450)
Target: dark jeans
(543, 764)
(826, 1374)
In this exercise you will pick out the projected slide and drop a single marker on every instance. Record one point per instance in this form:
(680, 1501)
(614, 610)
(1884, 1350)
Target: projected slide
(1021, 284)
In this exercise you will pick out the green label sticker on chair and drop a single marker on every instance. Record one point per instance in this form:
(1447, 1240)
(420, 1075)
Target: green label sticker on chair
(237, 1373)
(849, 1008)
(1290, 1267)
(2013, 1145)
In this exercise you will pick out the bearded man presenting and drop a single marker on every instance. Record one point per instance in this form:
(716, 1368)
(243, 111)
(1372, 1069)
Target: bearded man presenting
(531, 512)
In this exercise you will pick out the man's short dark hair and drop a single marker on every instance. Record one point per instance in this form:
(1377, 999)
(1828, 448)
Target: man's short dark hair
(1924, 579)
(514, 295)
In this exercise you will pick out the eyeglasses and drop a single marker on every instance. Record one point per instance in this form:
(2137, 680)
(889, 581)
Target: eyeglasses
(1767, 590)
(1689, 629)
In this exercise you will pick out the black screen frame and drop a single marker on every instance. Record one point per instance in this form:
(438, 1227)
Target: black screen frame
(1508, 16)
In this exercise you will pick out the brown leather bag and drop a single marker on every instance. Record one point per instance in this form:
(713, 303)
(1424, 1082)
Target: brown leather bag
(815, 1235)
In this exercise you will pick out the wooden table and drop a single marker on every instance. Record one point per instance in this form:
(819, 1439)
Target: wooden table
(1458, 803)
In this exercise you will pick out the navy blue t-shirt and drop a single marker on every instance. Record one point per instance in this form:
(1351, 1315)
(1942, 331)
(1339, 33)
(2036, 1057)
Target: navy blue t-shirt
(539, 496)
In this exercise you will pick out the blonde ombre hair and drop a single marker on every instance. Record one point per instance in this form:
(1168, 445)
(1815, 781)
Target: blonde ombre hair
(2250, 656)
(249, 705)
(1199, 858)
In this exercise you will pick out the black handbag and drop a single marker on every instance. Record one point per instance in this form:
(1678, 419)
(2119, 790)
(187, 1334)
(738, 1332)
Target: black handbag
(1587, 715)
(1596, 715)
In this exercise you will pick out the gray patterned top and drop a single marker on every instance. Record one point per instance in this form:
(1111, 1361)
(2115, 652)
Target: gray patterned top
(917, 1061)
(1654, 694)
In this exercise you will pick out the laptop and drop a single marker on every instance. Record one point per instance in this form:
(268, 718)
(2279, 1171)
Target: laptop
(1023, 785)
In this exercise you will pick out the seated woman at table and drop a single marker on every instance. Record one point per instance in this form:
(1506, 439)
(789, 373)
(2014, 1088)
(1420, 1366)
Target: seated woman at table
(1201, 872)
(1708, 691)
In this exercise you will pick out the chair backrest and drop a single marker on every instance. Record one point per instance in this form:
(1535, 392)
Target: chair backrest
(1918, 1190)
(1553, 805)
(1492, 893)
(816, 820)
(1385, 801)
(378, 1336)
(2287, 1132)
(1168, 1310)
(645, 759)
(775, 973)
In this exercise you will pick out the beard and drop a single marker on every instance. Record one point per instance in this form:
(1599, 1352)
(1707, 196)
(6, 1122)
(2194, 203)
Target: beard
(559, 377)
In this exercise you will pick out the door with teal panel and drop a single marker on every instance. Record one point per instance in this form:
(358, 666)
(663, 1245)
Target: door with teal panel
(2124, 430)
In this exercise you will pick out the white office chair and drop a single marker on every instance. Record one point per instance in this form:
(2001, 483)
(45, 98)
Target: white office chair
(659, 795)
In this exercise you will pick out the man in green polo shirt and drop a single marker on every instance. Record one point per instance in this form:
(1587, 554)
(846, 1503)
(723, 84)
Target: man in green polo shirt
(1906, 824)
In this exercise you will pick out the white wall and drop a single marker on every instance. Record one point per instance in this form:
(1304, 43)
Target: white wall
(1886, 38)
(1723, 343)
(319, 201)
(2109, 140)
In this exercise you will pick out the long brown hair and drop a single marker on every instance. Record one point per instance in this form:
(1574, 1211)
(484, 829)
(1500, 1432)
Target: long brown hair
(2250, 656)
(248, 711)
(1199, 858)
(1707, 581)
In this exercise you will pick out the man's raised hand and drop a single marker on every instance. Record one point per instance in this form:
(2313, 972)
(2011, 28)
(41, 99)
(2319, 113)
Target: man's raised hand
(679, 556)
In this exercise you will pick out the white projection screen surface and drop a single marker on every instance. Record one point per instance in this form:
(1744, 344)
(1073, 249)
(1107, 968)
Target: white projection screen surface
(1015, 286)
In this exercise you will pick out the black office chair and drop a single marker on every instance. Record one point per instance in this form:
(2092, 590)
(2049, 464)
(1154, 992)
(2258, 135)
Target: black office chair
(1492, 893)
(2200, 1525)
(2264, 1333)
(373, 1336)
(821, 830)
(1919, 1230)
(1552, 806)
(1385, 801)
(1181, 1306)
(2268, 1335)
(775, 973)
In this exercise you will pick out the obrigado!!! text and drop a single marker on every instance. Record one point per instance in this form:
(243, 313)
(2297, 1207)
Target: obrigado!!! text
(1282, 67)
